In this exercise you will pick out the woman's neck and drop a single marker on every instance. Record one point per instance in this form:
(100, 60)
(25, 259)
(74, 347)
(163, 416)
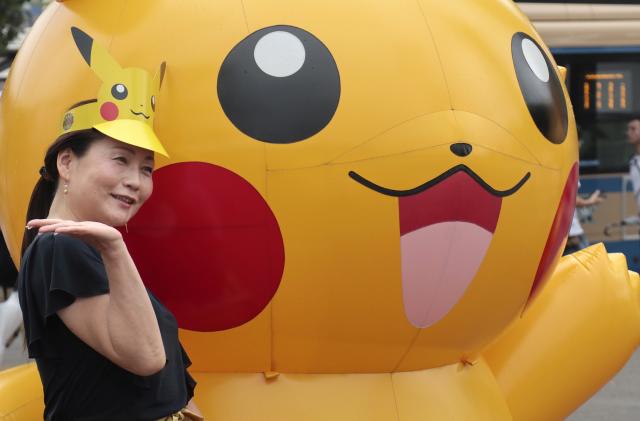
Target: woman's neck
(60, 210)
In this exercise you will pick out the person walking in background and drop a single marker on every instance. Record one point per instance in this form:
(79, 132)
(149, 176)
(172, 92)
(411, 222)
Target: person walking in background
(577, 239)
(633, 137)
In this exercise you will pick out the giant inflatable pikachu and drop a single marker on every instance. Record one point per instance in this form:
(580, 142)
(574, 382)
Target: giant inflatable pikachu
(363, 210)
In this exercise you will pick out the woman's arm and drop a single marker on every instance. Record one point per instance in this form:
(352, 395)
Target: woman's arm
(193, 408)
(121, 325)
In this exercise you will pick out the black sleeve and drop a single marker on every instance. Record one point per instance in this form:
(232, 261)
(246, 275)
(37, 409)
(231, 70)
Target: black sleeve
(55, 270)
(190, 382)
(76, 271)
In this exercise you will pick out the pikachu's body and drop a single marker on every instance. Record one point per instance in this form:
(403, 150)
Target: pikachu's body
(361, 201)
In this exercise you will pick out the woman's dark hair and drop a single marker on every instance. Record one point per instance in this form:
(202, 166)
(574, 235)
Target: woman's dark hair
(45, 189)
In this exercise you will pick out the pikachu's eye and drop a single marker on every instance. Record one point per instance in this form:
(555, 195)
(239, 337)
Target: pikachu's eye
(153, 102)
(279, 85)
(119, 91)
(541, 88)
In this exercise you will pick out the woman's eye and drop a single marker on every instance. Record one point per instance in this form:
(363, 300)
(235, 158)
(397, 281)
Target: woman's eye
(147, 170)
(121, 159)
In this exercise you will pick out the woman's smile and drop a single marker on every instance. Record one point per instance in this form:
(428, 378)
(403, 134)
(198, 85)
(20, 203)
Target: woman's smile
(126, 201)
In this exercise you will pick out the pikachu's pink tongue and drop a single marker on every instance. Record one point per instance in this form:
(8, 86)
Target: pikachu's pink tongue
(438, 263)
(445, 232)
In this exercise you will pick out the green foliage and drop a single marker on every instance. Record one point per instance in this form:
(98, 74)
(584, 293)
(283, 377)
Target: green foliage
(11, 18)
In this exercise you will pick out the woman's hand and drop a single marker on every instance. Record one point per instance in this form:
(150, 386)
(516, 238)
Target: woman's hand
(102, 237)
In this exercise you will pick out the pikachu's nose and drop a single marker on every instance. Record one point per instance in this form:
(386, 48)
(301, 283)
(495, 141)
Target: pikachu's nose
(461, 149)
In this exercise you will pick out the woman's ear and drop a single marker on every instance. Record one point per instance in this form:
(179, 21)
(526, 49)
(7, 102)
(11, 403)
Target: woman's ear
(65, 162)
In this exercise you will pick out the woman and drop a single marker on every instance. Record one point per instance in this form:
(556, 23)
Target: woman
(105, 347)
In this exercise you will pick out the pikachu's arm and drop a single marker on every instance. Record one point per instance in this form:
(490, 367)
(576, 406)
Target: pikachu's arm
(574, 337)
(21, 393)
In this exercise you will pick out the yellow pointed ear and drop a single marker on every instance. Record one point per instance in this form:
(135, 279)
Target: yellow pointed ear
(96, 56)
(563, 73)
(159, 76)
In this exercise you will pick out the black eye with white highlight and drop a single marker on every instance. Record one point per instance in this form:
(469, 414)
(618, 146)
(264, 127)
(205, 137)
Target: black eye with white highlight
(279, 85)
(119, 91)
(540, 87)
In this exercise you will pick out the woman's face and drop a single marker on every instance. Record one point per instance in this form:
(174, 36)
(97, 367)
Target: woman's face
(109, 183)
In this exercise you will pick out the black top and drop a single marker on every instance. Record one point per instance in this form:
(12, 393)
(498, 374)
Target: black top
(79, 383)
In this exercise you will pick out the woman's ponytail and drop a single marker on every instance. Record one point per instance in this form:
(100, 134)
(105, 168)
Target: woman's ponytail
(47, 185)
(39, 205)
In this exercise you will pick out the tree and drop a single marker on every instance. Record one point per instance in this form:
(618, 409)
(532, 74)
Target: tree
(11, 19)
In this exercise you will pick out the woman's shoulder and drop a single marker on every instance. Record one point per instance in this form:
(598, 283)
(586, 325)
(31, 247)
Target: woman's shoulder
(61, 267)
(49, 246)
(50, 241)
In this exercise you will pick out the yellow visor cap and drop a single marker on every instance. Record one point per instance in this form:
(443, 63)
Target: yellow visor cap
(125, 104)
(134, 133)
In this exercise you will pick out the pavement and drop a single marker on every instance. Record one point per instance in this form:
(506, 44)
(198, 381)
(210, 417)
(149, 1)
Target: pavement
(619, 400)
(15, 355)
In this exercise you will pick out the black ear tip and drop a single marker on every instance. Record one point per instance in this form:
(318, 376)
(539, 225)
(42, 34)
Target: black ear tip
(163, 68)
(84, 43)
(79, 35)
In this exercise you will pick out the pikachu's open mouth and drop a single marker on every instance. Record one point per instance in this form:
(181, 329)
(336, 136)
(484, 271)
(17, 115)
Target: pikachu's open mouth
(140, 113)
(446, 227)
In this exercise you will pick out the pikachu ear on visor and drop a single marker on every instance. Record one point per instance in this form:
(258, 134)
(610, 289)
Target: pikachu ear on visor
(96, 56)
(159, 76)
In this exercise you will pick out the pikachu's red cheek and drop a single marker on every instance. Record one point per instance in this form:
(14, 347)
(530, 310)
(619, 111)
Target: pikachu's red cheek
(109, 111)
(208, 245)
(558, 232)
